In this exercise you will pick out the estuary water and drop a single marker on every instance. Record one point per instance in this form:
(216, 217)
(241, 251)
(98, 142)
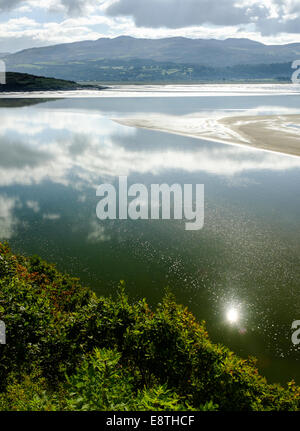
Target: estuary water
(240, 273)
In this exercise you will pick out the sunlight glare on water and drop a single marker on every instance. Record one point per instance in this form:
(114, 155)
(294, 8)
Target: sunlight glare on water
(232, 315)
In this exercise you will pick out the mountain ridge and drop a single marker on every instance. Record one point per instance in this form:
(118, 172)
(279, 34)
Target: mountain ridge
(208, 52)
(153, 60)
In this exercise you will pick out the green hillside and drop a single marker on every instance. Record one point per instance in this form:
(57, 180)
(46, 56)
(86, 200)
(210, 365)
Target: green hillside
(142, 71)
(24, 82)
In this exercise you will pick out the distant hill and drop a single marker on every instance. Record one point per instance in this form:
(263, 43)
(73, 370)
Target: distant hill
(207, 52)
(4, 54)
(102, 58)
(23, 82)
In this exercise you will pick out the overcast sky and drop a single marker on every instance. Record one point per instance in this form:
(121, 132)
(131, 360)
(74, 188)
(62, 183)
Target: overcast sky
(28, 23)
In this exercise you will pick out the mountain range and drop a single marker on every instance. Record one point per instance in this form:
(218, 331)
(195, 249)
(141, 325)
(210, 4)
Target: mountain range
(167, 59)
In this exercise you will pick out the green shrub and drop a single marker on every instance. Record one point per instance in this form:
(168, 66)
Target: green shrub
(108, 354)
(31, 393)
(100, 383)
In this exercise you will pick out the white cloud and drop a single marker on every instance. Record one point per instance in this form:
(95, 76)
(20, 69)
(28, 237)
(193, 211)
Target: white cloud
(69, 30)
(33, 23)
(33, 205)
(97, 233)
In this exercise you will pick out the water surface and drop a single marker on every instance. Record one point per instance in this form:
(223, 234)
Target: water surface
(246, 260)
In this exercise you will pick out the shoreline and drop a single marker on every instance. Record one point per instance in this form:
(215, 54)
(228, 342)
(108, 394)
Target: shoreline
(259, 132)
(169, 90)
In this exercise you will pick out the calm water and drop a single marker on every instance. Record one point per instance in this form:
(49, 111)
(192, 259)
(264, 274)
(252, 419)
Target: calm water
(54, 154)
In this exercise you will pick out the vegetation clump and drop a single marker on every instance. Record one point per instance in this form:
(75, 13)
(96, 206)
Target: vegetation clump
(68, 349)
(16, 82)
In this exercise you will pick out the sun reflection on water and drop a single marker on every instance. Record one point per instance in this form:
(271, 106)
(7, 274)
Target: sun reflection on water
(232, 315)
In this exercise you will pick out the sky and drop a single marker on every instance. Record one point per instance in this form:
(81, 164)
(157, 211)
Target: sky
(32, 23)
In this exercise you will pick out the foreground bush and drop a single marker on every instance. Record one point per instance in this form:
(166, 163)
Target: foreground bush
(69, 350)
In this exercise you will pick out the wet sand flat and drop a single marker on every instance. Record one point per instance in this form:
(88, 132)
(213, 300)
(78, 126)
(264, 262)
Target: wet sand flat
(277, 133)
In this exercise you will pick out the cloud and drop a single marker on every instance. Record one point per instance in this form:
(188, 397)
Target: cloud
(9, 4)
(97, 233)
(284, 19)
(23, 32)
(268, 17)
(274, 27)
(183, 13)
(77, 7)
(33, 205)
(15, 154)
(71, 7)
(33, 23)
